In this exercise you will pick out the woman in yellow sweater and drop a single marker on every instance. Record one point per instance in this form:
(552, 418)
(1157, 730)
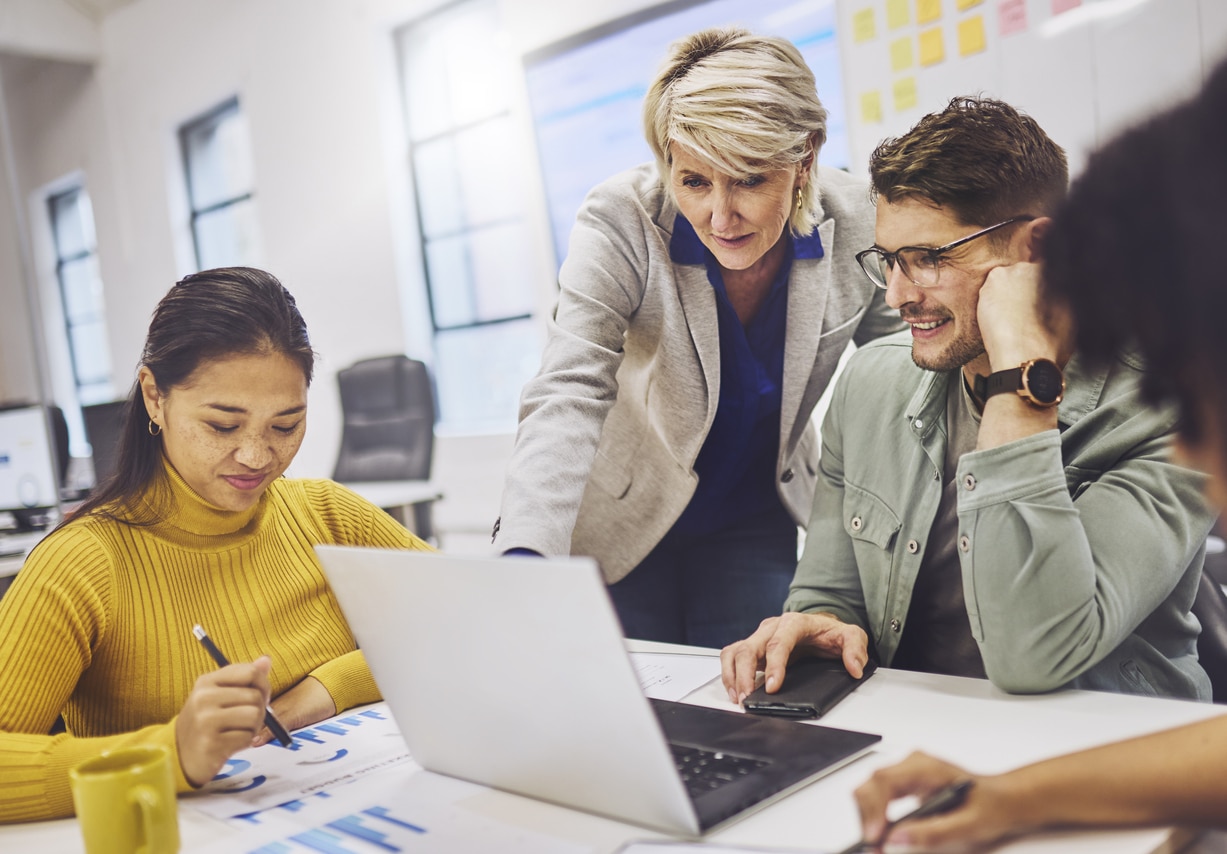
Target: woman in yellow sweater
(196, 526)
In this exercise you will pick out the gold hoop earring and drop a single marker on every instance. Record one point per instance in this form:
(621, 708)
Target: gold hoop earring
(800, 199)
(153, 424)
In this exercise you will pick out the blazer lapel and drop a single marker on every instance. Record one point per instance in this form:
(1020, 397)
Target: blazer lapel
(808, 288)
(699, 305)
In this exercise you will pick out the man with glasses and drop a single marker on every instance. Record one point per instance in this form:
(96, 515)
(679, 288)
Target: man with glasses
(987, 504)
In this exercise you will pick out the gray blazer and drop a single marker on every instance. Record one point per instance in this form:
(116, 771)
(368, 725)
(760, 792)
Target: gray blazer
(611, 426)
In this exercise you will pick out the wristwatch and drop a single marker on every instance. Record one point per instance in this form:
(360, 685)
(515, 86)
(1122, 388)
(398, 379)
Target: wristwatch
(1037, 381)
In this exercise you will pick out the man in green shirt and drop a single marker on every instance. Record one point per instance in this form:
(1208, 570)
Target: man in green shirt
(987, 504)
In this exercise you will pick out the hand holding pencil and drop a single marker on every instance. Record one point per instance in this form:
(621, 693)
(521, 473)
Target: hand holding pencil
(270, 720)
(225, 713)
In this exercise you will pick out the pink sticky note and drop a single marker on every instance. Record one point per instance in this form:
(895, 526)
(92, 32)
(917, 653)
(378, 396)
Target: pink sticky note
(1059, 6)
(1012, 16)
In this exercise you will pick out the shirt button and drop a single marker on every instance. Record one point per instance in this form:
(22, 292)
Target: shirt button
(787, 476)
(965, 543)
(912, 547)
(918, 424)
(856, 523)
(969, 482)
(895, 625)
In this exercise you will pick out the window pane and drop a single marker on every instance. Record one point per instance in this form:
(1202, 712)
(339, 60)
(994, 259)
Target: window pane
(90, 358)
(480, 372)
(218, 159)
(437, 182)
(228, 236)
(451, 282)
(71, 223)
(455, 69)
(501, 261)
(427, 99)
(491, 161)
(477, 65)
(82, 289)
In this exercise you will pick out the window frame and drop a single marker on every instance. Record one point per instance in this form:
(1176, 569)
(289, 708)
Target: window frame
(212, 118)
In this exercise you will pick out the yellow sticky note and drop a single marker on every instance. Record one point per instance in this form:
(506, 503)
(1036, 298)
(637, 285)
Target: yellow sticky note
(971, 35)
(897, 14)
(864, 27)
(905, 93)
(928, 11)
(964, 5)
(871, 107)
(932, 47)
(901, 56)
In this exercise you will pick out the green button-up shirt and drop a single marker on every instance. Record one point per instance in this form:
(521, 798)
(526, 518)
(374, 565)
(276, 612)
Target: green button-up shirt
(1080, 548)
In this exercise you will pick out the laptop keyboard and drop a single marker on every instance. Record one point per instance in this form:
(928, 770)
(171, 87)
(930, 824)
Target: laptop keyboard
(705, 770)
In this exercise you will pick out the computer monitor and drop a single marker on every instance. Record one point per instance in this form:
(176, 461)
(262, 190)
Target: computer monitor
(29, 475)
(103, 424)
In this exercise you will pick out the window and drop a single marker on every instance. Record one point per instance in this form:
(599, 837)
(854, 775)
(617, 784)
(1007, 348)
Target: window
(220, 188)
(467, 161)
(80, 285)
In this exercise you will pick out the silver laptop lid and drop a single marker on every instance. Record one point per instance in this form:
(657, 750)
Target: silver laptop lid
(512, 672)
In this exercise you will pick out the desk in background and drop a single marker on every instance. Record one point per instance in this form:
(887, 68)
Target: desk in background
(397, 496)
(13, 551)
(965, 720)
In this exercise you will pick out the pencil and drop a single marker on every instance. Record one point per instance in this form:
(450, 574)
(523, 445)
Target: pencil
(270, 720)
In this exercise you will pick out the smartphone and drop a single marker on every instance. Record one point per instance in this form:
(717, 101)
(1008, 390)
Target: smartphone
(812, 687)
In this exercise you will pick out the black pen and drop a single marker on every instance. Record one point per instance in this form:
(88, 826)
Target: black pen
(943, 800)
(270, 720)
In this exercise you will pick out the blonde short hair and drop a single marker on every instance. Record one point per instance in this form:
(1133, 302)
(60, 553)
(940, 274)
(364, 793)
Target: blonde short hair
(747, 103)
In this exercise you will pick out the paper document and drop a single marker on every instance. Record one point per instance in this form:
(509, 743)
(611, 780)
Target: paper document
(707, 848)
(399, 810)
(336, 751)
(671, 677)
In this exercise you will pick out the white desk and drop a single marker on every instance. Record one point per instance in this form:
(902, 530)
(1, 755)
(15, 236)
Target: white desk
(964, 720)
(396, 496)
(13, 551)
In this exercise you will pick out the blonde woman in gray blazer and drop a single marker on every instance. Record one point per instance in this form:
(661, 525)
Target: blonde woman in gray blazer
(704, 304)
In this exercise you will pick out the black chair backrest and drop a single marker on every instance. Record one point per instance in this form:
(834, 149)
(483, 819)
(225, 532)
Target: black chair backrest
(389, 421)
(103, 424)
(1210, 608)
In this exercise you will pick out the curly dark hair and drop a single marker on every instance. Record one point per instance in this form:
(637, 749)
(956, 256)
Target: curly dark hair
(1133, 251)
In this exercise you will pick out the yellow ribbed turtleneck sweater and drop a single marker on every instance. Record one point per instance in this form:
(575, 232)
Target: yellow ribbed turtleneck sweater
(98, 624)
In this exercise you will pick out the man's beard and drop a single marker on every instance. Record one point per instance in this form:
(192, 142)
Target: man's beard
(962, 350)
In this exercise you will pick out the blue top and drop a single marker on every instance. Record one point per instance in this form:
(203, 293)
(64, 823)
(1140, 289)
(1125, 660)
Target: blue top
(736, 465)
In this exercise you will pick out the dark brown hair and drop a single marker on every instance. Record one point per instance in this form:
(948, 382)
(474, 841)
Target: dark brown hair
(1136, 249)
(982, 159)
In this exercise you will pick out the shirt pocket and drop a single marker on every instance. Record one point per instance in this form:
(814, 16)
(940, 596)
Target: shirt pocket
(872, 526)
(868, 519)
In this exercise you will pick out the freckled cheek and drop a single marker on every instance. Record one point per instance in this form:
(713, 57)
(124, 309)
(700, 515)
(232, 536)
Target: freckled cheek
(286, 447)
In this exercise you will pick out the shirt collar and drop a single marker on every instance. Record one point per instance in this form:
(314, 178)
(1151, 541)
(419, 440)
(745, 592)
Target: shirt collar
(685, 247)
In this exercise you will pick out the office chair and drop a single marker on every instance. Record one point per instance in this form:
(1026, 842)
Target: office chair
(103, 425)
(388, 432)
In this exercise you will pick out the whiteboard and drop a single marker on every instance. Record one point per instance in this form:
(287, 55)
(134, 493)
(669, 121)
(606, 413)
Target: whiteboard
(1085, 69)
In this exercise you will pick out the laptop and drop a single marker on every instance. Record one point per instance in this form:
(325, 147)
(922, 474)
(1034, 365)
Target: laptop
(513, 673)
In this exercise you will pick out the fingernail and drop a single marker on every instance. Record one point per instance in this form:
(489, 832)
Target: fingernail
(771, 680)
(732, 696)
(741, 698)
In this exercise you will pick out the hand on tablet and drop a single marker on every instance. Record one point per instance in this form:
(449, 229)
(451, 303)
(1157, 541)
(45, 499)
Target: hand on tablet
(778, 639)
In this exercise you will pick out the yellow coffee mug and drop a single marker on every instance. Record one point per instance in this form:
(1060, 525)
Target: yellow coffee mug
(125, 802)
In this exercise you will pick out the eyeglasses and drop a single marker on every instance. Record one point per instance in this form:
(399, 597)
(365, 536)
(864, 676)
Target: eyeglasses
(921, 264)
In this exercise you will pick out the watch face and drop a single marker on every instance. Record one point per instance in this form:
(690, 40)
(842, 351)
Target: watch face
(1044, 381)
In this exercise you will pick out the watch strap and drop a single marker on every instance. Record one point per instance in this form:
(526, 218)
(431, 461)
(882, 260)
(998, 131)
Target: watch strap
(999, 382)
